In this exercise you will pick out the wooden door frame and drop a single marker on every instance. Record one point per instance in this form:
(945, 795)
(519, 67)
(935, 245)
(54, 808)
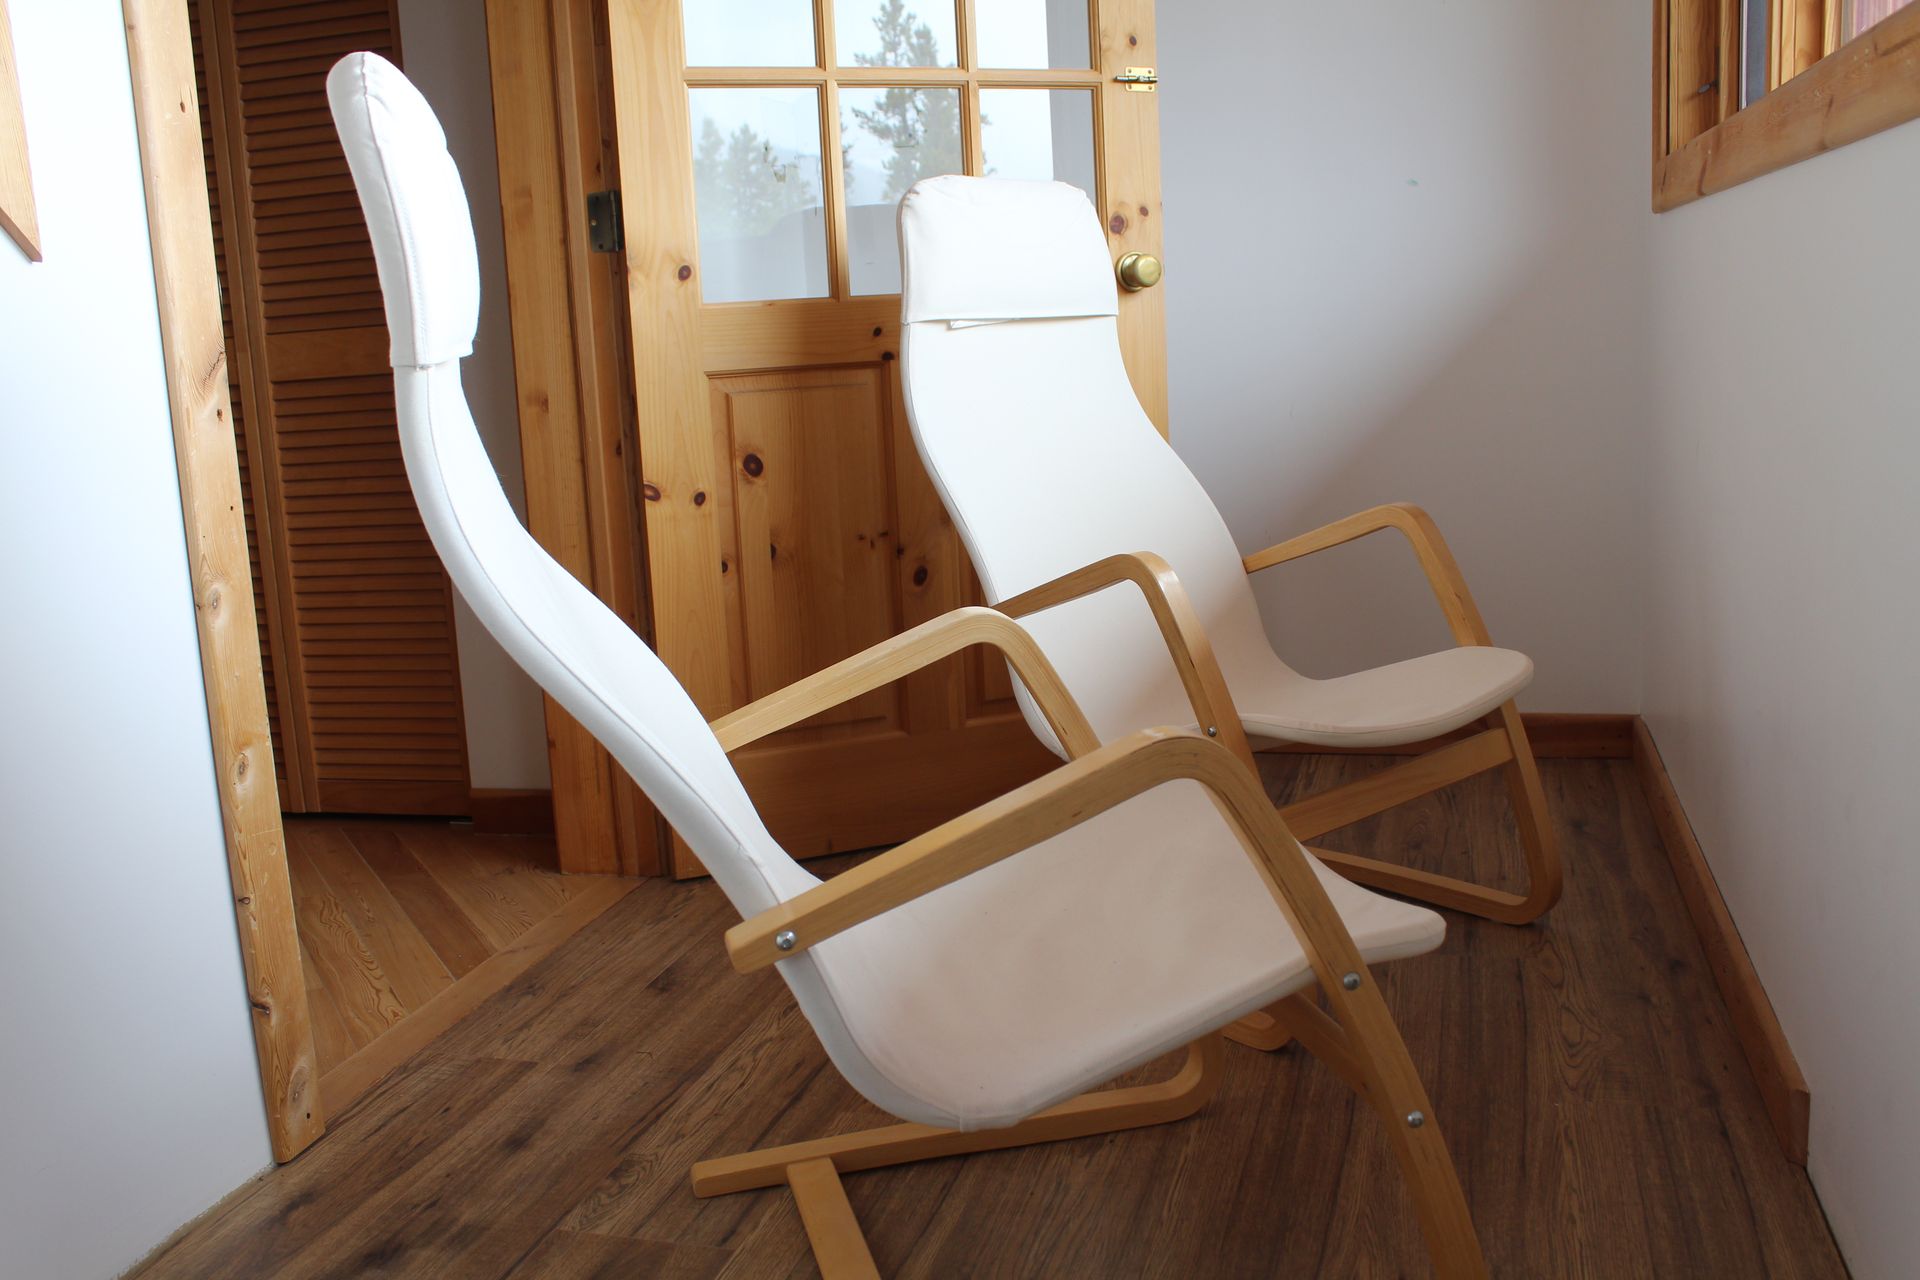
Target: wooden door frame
(577, 436)
(605, 814)
(187, 291)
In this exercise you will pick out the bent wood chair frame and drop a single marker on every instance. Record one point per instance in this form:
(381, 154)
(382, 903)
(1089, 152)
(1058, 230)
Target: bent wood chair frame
(1359, 1041)
(1500, 743)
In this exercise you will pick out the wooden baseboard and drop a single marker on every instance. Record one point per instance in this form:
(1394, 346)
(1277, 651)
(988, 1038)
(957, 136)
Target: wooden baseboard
(501, 812)
(1557, 735)
(1554, 735)
(1769, 1056)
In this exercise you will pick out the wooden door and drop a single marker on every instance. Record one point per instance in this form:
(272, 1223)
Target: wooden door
(788, 522)
(363, 686)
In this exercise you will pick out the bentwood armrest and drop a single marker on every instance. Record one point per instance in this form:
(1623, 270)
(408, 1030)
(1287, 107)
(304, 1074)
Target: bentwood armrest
(1443, 573)
(1180, 627)
(902, 655)
(1022, 818)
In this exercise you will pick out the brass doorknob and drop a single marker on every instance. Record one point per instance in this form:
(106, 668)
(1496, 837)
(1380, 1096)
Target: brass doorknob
(1137, 271)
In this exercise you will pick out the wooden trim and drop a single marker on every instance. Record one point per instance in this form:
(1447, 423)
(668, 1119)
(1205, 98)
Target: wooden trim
(1775, 1070)
(167, 120)
(499, 811)
(351, 1079)
(1870, 84)
(1127, 142)
(18, 216)
(566, 374)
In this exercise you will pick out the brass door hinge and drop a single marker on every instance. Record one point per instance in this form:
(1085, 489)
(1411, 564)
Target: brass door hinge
(1138, 79)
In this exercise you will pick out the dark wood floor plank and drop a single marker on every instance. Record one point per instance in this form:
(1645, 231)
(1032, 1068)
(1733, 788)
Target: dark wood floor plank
(573, 1255)
(1583, 1069)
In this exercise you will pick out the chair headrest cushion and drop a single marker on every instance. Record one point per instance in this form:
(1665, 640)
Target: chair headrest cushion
(995, 249)
(415, 206)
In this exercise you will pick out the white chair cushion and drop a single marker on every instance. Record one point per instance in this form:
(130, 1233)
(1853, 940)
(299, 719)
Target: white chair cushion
(1046, 461)
(416, 210)
(995, 259)
(1058, 969)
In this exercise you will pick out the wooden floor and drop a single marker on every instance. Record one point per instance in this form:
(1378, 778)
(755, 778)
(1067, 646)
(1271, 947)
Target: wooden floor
(408, 925)
(1602, 1117)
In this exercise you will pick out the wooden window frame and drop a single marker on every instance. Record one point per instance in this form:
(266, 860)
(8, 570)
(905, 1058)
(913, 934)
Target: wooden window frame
(1824, 94)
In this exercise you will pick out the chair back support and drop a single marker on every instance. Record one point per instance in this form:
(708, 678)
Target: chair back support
(572, 645)
(1023, 414)
(576, 648)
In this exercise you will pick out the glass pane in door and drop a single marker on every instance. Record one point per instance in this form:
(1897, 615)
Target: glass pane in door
(1038, 134)
(890, 138)
(757, 193)
(749, 33)
(895, 33)
(1031, 33)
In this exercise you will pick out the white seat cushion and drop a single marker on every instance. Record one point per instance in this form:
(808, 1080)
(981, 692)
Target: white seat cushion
(1385, 706)
(1063, 966)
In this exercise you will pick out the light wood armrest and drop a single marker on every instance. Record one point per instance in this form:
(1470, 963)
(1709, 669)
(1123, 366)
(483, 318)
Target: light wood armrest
(1186, 639)
(906, 653)
(1443, 573)
(1043, 808)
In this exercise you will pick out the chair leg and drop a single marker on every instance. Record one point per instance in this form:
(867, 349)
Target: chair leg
(1260, 1031)
(1372, 1059)
(1506, 746)
(1365, 1050)
(838, 1245)
(813, 1169)
(1107, 1111)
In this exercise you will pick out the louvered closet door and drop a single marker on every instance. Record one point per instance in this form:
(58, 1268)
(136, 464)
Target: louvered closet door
(355, 609)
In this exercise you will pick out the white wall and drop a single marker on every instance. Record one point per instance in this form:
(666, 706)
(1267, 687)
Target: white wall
(443, 47)
(1783, 624)
(129, 1100)
(1405, 251)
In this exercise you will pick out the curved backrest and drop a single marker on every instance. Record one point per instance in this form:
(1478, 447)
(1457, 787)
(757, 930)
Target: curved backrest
(565, 638)
(1023, 414)
(557, 630)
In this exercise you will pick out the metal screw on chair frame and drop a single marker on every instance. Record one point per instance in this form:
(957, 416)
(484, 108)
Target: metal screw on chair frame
(1415, 1119)
(1351, 981)
(784, 940)
(1213, 731)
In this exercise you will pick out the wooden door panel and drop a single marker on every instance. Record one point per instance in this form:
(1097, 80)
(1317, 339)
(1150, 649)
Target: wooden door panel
(812, 537)
(788, 521)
